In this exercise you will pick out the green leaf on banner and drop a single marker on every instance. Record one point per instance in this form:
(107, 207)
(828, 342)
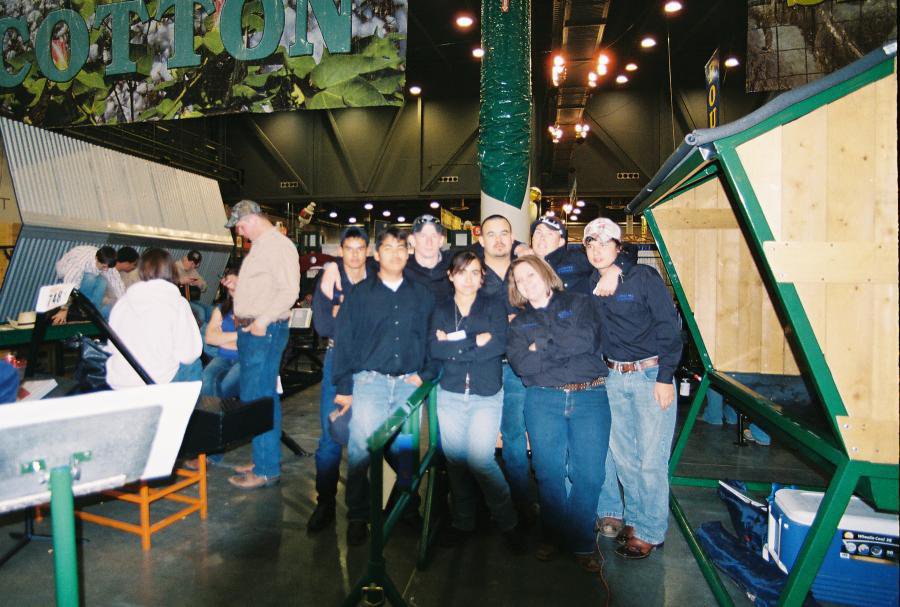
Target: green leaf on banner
(297, 96)
(253, 22)
(191, 114)
(86, 8)
(301, 66)
(145, 65)
(172, 111)
(388, 85)
(325, 100)
(257, 80)
(242, 90)
(92, 80)
(213, 42)
(37, 89)
(149, 113)
(358, 93)
(165, 84)
(335, 69)
(99, 107)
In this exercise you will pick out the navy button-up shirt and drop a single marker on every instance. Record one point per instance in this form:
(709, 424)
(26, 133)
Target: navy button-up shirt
(323, 319)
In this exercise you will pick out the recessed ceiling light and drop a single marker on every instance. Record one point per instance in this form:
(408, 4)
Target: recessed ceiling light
(732, 62)
(352, 220)
(648, 42)
(435, 204)
(401, 218)
(368, 206)
(478, 52)
(333, 214)
(631, 67)
(621, 78)
(576, 211)
(415, 90)
(464, 21)
(386, 213)
(579, 203)
(673, 6)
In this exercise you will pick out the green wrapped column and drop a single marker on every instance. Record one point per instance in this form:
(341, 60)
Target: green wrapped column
(504, 143)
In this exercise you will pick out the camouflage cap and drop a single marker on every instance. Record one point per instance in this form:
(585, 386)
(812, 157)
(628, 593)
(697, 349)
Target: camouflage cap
(241, 210)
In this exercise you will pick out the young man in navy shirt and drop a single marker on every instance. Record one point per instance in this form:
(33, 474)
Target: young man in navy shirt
(379, 360)
(353, 267)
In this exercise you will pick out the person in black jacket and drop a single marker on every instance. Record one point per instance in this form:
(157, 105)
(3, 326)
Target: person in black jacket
(429, 262)
(379, 360)
(554, 346)
(642, 346)
(468, 338)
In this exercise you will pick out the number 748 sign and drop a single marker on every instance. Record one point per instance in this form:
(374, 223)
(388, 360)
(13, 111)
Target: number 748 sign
(53, 296)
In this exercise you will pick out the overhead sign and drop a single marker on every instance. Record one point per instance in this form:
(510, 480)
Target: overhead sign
(133, 60)
(712, 90)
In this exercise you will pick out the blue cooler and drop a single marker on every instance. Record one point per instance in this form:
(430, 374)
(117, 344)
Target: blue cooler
(861, 564)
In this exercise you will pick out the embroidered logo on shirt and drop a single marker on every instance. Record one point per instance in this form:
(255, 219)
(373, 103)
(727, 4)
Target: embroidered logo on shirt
(565, 269)
(564, 314)
(529, 325)
(624, 296)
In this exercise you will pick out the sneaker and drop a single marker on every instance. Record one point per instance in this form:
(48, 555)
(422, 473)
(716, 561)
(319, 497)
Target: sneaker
(609, 526)
(357, 533)
(322, 517)
(750, 438)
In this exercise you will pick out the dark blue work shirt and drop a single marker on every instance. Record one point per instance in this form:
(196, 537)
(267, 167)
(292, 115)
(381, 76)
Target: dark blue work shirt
(640, 321)
(566, 334)
(572, 266)
(324, 321)
(434, 279)
(463, 358)
(382, 330)
(495, 286)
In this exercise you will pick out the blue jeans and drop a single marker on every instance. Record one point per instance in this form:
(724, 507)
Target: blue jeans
(515, 448)
(260, 359)
(189, 372)
(716, 411)
(222, 378)
(93, 286)
(375, 397)
(469, 427)
(328, 452)
(639, 444)
(569, 434)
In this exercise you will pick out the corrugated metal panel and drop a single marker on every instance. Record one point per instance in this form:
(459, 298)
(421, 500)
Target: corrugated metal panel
(59, 180)
(37, 249)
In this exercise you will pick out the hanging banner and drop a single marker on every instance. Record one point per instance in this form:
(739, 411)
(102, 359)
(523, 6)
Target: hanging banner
(712, 90)
(79, 62)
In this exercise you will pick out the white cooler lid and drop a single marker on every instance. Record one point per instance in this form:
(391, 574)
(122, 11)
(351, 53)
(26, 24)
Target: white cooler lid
(802, 506)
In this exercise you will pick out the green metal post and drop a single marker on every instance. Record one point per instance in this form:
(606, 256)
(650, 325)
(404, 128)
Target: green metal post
(832, 508)
(65, 557)
(688, 424)
(426, 540)
(706, 567)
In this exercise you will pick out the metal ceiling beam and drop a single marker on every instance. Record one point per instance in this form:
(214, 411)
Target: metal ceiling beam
(345, 152)
(276, 154)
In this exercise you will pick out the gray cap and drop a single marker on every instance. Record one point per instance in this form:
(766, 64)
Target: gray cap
(241, 210)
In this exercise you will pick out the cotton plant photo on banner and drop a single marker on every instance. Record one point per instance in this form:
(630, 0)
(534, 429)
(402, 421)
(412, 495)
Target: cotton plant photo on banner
(82, 62)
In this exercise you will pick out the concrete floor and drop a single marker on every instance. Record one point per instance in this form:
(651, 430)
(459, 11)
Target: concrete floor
(254, 550)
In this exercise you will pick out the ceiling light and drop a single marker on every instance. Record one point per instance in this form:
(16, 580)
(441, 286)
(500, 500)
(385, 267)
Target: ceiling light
(415, 90)
(592, 79)
(581, 130)
(579, 204)
(401, 219)
(478, 52)
(464, 21)
(558, 60)
(673, 6)
(732, 62)
(386, 213)
(648, 42)
(602, 69)
(621, 78)
(435, 204)
(333, 214)
(550, 213)
(556, 132)
(567, 208)
(352, 220)
(631, 67)
(368, 206)
(603, 59)
(576, 211)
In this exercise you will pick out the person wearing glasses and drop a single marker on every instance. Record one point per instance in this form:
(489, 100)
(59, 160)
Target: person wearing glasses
(554, 346)
(468, 339)
(642, 347)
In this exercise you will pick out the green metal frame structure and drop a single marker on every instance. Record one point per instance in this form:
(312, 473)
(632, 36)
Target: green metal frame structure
(375, 585)
(712, 155)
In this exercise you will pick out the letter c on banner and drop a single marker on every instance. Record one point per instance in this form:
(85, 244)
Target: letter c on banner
(8, 80)
(233, 38)
(78, 45)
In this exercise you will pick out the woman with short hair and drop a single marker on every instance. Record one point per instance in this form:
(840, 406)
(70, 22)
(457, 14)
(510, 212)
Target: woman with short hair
(554, 346)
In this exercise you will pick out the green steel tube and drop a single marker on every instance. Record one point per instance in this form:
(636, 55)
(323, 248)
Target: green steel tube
(706, 567)
(65, 557)
(688, 424)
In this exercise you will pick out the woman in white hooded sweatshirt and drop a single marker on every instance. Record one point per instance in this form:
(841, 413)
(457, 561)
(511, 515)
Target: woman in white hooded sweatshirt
(155, 323)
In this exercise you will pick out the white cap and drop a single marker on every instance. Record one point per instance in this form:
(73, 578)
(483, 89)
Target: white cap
(603, 229)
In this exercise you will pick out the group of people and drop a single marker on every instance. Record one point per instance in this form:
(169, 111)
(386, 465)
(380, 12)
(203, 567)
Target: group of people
(572, 347)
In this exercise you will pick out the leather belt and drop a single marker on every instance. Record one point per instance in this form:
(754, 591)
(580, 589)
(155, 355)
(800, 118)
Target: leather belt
(584, 385)
(243, 322)
(639, 365)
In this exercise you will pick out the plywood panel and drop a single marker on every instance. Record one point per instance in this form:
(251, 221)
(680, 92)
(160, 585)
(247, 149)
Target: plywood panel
(846, 262)
(695, 219)
(848, 350)
(750, 322)
(761, 158)
(727, 300)
(706, 270)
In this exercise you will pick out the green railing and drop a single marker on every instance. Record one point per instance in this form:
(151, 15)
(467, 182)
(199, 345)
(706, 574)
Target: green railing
(375, 585)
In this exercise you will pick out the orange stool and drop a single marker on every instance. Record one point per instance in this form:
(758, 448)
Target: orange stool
(144, 496)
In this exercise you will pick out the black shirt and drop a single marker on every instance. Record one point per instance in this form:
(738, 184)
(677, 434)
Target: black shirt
(323, 320)
(382, 330)
(567, 335)
(572, 266)
(496, 286)
(639, 320)
(464, 357)
(434, 279)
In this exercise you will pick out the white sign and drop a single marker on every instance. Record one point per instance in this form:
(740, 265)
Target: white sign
(53, 296)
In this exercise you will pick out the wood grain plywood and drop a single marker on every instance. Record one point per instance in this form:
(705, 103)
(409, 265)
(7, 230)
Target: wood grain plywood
(761, 158)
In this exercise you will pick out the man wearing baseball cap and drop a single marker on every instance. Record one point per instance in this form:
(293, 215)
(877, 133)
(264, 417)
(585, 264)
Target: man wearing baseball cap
(642, 346)
(429, 263)
(268, 286)
(548, 241)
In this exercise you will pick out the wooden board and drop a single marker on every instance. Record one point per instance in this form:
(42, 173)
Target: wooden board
(695, 219)
(832, 262)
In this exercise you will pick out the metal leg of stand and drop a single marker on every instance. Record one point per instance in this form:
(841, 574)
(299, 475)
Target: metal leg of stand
(65, 556)
(24, 538)
(295, 448)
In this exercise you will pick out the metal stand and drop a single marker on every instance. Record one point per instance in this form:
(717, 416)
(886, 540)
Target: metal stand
(24, 538)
